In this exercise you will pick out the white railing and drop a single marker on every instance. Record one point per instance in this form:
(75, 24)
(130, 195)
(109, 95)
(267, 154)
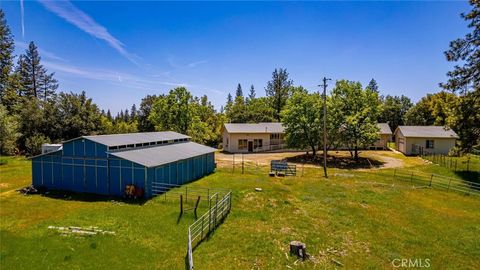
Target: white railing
(202, 227)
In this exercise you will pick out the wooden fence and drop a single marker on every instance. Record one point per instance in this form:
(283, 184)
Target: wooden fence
(465, 163)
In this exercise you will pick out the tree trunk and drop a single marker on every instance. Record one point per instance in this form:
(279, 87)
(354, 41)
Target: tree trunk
(356, 153)
(299, 249)
(314, 152)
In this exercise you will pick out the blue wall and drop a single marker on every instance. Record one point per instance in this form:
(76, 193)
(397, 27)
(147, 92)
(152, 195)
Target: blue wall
(84, 166)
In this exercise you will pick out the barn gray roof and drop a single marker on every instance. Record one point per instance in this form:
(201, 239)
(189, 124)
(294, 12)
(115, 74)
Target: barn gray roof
(133, 138)
(164, 154)
(254, 128)
(427, 132)
(384, 128)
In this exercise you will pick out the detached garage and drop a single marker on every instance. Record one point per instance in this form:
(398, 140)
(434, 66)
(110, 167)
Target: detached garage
(106, 164)
(418, 140)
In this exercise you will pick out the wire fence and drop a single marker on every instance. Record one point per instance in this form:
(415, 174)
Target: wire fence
(467, 163)
(422, 179)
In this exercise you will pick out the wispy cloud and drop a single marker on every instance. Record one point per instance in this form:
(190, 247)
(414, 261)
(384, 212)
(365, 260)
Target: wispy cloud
(80, 19)
(22, 15)
(43, 53)
(117, 78)
(194, 64)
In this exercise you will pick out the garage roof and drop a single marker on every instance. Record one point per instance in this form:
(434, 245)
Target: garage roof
(254, 128)
(134, 138)
(427, 132)
(164, 154)
(384, 128)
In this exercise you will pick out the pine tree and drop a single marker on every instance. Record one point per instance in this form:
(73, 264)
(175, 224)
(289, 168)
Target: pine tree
(6, 53)
(466, 51)
(34, 78)
(251, 95)
(109, 115)
(372, 85)
(239, 92)
(278, 90)
(229, 99)
(133, 113)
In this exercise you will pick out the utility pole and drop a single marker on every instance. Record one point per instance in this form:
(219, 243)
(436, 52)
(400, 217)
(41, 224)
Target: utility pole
(324, 85)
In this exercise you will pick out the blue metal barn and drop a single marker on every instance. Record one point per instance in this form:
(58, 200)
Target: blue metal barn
(106, 164)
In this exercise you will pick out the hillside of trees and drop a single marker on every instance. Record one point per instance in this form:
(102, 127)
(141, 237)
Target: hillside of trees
(33, 110)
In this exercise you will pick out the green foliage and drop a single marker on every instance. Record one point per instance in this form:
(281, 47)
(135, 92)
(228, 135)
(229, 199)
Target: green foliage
(35, 81)
(372, 85)
(278, 90)
(181, 112)
(8, 132)
(356, 110)
(466, 75)
(434, 109)
(464, 119)
(33, 143)
(393, 110)
(302, 118)
(6, 54)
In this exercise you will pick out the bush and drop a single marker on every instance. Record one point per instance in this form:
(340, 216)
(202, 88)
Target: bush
(34, 143)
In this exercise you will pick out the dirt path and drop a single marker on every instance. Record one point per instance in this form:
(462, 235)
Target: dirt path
(388, 159)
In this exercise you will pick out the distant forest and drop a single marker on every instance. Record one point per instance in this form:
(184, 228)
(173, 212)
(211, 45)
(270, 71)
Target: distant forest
(33, 110)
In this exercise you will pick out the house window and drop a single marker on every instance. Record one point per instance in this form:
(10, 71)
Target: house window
(429, 144)
(257, 143)
(242, 144)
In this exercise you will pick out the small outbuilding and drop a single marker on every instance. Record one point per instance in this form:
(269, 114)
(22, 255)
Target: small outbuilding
(106, 164)
(385, 135)
(416, 140)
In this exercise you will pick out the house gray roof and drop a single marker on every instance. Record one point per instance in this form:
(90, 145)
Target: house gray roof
(427, 132)
(384, 128)
(254, 128)
(159, 155)
(133, 138)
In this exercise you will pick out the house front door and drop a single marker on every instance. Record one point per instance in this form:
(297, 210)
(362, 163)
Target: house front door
(250, 146)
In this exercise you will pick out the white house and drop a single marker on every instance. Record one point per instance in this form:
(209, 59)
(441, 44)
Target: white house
(244, 138)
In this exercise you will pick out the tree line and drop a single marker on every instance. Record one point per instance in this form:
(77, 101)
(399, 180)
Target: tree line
(33, 111)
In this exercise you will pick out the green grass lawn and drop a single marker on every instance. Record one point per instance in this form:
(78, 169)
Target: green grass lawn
(355, 218)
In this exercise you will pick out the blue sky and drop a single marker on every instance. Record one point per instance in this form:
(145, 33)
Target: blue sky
(118, 52)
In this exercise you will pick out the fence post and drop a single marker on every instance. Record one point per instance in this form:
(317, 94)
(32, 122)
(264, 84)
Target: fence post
(209, 213)
(431, 179)
(411, 178)
(233, 156)
(243, 166)
(449, 184)
(468, 164)
(456, 165)
(181, 204)
(216, 210)
(394, 172)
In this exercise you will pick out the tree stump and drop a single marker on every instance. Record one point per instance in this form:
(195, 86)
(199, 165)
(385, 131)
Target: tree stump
(299, 249)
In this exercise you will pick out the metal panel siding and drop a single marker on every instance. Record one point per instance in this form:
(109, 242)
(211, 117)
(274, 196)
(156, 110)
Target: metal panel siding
(150, 180)
(90, 179)
(37, 172)
(115, 181)
(67, 176)
(139, 177)
(68, 148)
(78, 178)
(57, 175)
(101, 151)
(78, 148)
(90, 148)
(102, 180)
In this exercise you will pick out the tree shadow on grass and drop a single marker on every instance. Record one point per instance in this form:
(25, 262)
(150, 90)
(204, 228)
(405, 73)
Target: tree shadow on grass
(87, 197)
(336, 162)
(472, 178)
